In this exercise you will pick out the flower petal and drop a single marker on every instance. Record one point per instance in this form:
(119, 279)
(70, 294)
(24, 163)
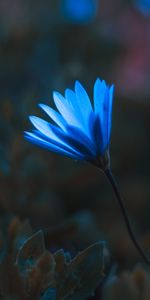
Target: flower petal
(101, 107)
(44, 127)
(54, 115)
(35, 139)
(51, 134)
(83, 100)
(111, 92)
(80, 118)
(56, 136)
(65, 109)
(81, 141)
(71, 98)
(99, 97)
(107, 115)
(98, 136)
(104, 125)
(96, 133)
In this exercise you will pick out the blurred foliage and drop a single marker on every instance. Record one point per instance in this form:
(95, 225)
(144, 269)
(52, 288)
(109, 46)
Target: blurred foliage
(40, 51)
(29, 270)
(128, 285)
(32, 272)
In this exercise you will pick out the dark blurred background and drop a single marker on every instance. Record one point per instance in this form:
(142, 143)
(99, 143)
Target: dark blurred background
(46, 46)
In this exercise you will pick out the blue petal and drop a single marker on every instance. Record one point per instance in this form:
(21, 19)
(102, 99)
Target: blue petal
(51, 133)
(90, 123)
(101, 107)
(98, 137)
(83, 100)
(81, 141)
(66, 109)
(44, 127)
(104, 125)
(70, 96)
(111, 92)
(74, 139)
(35, 139)
(96, 133)
(107, 115)
(72, 100)
(59, 138)
(100, 89)
(54, 115)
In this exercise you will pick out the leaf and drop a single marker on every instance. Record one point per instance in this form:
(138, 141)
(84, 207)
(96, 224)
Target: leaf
(31, 250)
(128, 285)
(82, 275)
(41, 275)
(50, 294)
(61, 259)
(18, 232)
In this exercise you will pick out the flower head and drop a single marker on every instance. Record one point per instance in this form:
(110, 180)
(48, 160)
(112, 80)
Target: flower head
(82, 130)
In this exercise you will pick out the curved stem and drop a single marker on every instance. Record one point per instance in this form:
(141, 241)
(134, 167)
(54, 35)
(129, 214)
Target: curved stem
(114, 185)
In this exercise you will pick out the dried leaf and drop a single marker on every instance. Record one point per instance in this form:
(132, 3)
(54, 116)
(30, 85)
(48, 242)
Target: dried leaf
(61, 259)
(50, 294)
(18, 232)
(31, 250)
(82, 275)
(41, 275)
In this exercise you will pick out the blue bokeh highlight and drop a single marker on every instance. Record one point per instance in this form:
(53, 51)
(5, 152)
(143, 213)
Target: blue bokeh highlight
(143, 6)
(79, 11)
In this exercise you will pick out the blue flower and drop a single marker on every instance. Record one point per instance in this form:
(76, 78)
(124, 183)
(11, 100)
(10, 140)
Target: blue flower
(82, 130)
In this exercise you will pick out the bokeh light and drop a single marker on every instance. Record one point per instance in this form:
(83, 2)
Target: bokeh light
(143, 6)
(79, 11)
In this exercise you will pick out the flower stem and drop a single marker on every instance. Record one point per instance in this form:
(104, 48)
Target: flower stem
(114, 185)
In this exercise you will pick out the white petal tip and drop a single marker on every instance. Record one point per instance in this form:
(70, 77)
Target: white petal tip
(55, 93)
(25, 133)
(57, 96)
(41, 105)
(31, 118)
